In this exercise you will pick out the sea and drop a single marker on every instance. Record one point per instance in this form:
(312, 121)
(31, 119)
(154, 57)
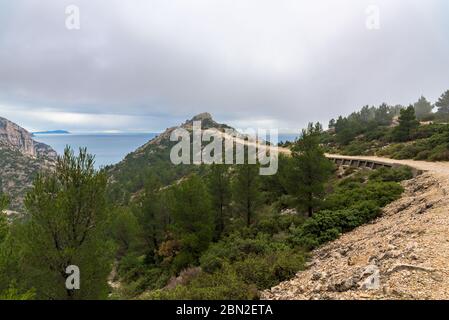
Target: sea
(108, 148)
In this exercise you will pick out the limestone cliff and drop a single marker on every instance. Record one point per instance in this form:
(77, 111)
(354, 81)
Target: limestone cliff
(14, 137)
(21, 158)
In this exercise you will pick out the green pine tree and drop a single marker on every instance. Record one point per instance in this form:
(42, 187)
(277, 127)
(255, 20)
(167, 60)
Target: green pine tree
(65, 225)
(193, 220)
(443, 103)
(407, 125)
(151, 215)
(246, 190)
(219, 186)
(423, 108)
(309, 170)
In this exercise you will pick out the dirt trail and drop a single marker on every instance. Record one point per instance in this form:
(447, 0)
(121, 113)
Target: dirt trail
(438, 169)
(404, 254)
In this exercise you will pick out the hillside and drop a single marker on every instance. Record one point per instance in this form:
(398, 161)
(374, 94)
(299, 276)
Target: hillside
(403, 254)
(21, 158)
(413, 132)
(128, 176)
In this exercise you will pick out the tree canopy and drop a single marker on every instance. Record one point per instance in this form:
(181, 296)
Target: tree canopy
(443, 103)
(309, 169)
(66, 222)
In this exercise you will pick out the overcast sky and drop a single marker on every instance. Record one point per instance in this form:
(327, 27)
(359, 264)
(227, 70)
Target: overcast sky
(150, 64)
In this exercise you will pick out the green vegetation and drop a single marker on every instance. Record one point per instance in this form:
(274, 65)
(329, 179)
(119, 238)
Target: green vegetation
(245, 190)
(393, 132)
(423, 109)
(355, 201)
(228, 233)
(193, 221)
(309, 170)
(65, 224)
(443, 103)
(199, 232)
(219, 186)
(407, 125)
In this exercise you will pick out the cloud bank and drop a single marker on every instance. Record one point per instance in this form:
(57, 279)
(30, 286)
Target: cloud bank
(146, 65)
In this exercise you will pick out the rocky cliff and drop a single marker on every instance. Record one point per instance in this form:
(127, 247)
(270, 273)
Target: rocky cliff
(14, 137)
(21, 158)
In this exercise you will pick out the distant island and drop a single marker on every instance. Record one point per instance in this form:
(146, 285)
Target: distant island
(51, 132)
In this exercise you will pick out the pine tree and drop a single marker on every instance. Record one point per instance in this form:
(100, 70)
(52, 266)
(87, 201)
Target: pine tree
(309, 170)
(407, 125)
(443, 103)
(65, 225)
(220, 192)
(193, 220)
(423, 108)
(246, 193)
(383, 115)
(150, 215)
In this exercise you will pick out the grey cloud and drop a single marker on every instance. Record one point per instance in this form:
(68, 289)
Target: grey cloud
(280, 62)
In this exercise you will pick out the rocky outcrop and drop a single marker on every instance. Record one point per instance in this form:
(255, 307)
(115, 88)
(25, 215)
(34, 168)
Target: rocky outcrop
(17, 138)
(21, 158)
(402, 255)
(163, 139)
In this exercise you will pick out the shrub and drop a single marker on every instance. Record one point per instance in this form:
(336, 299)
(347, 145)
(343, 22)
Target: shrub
(327, 225)
(12, 293)
(357, 148)
(131, 267)
(234, 248)
(396, 174)
(353, 203)
(423, 155)
(440, 153)
(352, 193)
(276, 223)
(222, 285)
(265, 271)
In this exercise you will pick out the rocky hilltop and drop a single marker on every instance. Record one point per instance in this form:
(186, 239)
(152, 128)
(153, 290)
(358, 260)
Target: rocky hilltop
(21, 158)
(402, 255)
(128, 177)
(207, 122)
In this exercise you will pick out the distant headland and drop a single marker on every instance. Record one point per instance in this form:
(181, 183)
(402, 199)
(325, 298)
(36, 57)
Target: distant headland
(51, 132)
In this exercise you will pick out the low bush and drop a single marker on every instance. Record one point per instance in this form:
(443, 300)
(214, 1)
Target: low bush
(224, 284)
(327, 225)
(265, 271)
(396, 174)
(234, 248)
(352, 193)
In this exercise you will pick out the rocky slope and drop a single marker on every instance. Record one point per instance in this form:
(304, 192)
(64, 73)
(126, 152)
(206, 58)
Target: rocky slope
(20, 159)
(402, 255)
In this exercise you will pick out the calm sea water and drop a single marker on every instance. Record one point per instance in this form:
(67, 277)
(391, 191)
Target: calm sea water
(107, 148)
